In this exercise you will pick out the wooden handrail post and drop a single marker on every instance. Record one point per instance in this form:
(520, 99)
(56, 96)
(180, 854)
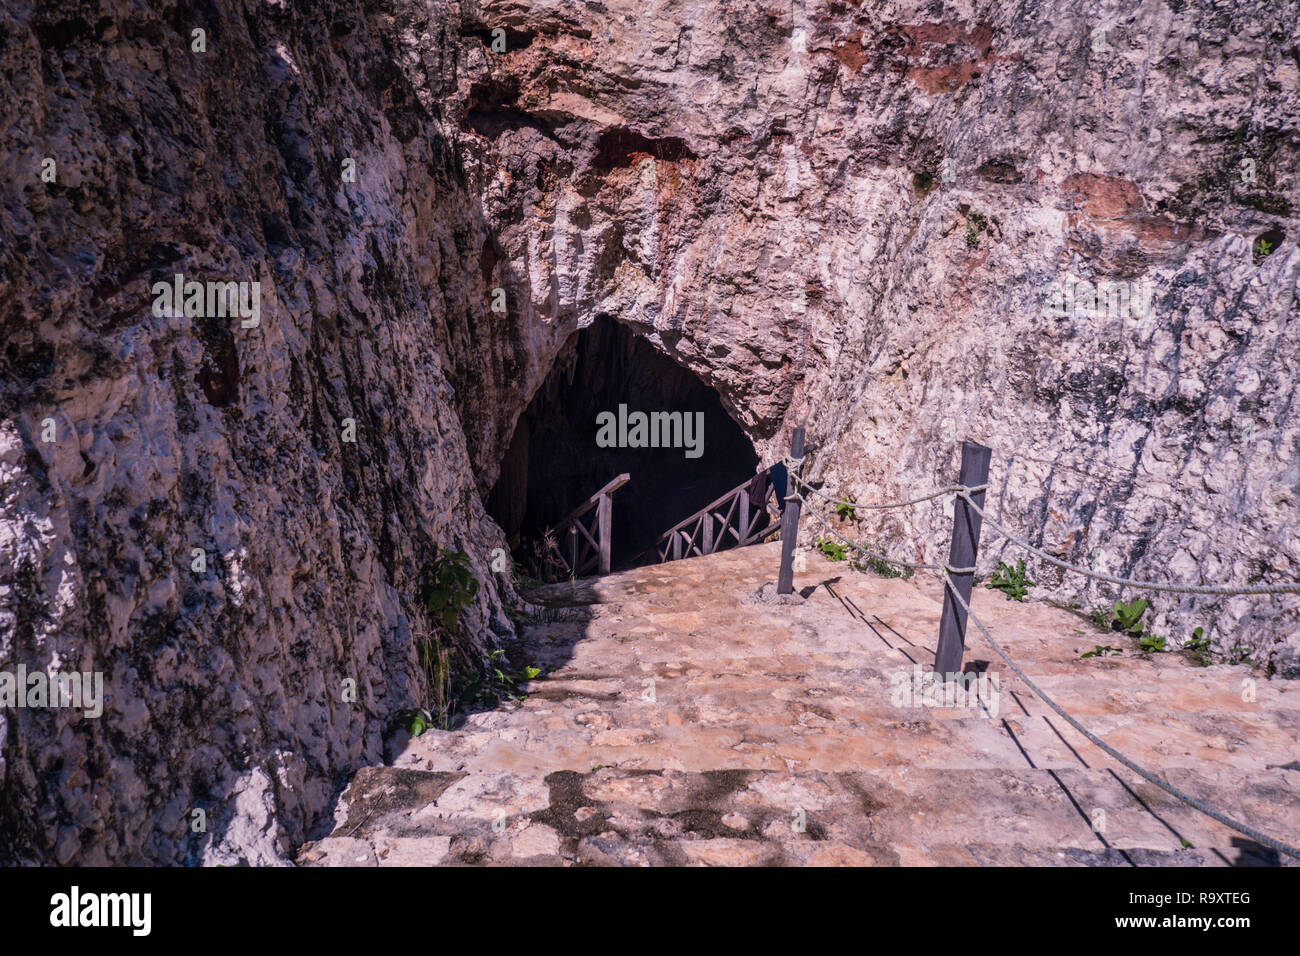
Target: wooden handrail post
(604, 515)
(961, 554)
(573, 552)
(790, 521)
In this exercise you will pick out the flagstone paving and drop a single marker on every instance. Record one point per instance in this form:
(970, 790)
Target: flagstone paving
(679, 720)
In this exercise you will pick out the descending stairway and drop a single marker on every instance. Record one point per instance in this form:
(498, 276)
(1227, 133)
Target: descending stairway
(681, 720)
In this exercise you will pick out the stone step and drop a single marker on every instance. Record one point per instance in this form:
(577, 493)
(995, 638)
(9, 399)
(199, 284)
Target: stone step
(924, 740)
(679, 721)
(909, 816)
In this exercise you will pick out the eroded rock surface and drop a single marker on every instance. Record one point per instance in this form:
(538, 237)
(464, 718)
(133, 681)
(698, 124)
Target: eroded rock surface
(848, 215)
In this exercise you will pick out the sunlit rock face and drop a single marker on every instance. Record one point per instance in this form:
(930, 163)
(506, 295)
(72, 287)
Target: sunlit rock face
(847, 216)
(906, 225)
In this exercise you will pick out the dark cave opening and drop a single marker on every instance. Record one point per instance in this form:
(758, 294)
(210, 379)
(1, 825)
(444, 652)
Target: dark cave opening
(554, 461)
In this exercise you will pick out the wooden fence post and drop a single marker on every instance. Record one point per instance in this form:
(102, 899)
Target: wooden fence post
(961, 554)
(790, 521)
(605, 515)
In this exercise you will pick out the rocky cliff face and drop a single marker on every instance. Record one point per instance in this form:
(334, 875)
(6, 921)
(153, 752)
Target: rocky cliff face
(881, 219)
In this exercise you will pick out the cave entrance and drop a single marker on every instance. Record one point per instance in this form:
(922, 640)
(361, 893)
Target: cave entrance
(556, 460)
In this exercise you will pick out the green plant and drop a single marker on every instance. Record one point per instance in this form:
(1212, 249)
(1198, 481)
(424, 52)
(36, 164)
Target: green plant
(1198, 646)
(1013, 582)
(1151, 644)
(1101, 617)
(833, 551)
(1102, 650)
(447, 588)
(1263, 247)
(414, 721)
(844, 510)
(1128, 617)
(882, 568)
(488, 685)
(977, 222)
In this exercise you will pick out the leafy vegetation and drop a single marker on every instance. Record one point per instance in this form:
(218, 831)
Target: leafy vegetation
(1151, 644)
(844, 510)
(1263, 247)
(1128, 617)
(833, 551)
(448, 587)
(1101, 617)
(883, 568)
(1011, 581)
(976, 223)
(1101, 650)
(1198, 647)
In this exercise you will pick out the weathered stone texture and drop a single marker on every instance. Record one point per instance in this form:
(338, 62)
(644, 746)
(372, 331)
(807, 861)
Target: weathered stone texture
(759, 189)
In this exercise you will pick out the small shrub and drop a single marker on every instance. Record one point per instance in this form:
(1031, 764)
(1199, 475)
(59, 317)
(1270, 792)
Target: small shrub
(1198, 647)
(1128, 617)
(448, 587)
(844, 510)
(413, 721)
(833, 551)
(1013, 582)
(1151, 644)
(883, 568)
(976, 222)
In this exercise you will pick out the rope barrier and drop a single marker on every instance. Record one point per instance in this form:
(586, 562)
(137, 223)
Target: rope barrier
(878, 507)
(792, 466)
(883, 557)
(945, 571)
(1129, 582)
(1261, 838)
(964, 492)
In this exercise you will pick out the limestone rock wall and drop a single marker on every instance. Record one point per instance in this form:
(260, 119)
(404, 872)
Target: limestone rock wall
(849, 215)
(225, 688)
(883, 220)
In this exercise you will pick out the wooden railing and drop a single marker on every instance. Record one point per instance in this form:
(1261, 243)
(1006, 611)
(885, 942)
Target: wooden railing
(708, 529)
(581, 547)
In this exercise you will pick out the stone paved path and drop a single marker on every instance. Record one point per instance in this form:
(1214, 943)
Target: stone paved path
(678, 723)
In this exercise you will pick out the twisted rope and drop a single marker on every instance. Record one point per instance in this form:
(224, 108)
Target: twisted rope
(1261, 838)
(880, 507)
(944, 571)
(1129, 582)
(857, 546)
(792, 466)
